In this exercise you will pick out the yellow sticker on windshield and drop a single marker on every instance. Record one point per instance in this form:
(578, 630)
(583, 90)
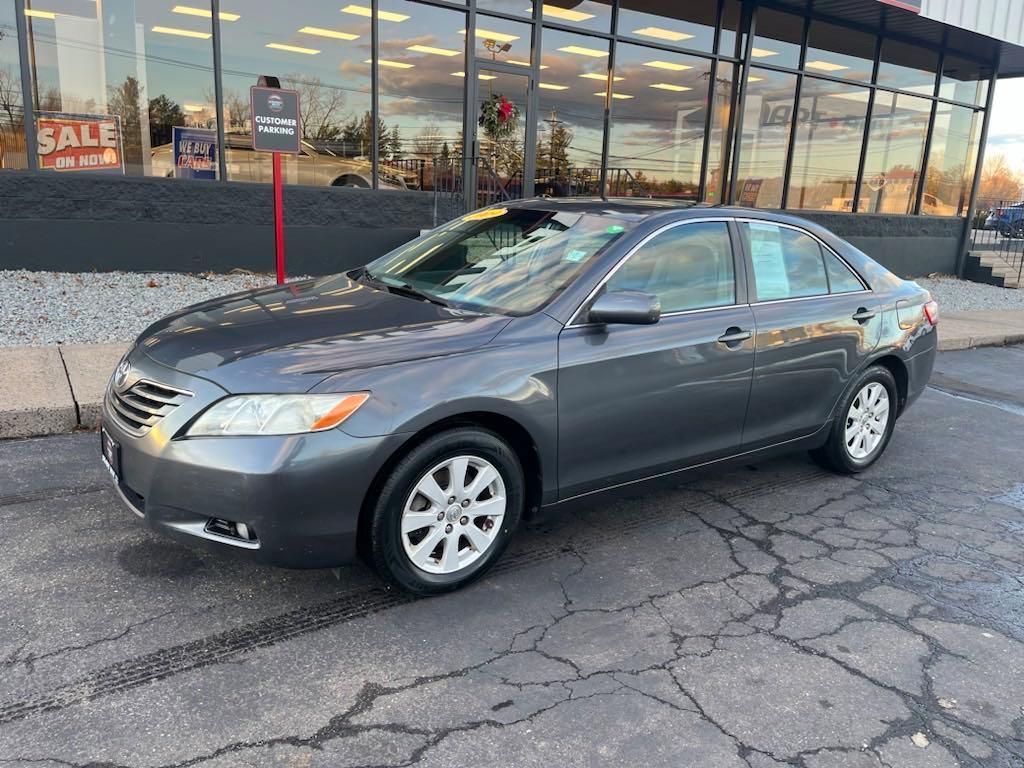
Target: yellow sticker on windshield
(487, 213)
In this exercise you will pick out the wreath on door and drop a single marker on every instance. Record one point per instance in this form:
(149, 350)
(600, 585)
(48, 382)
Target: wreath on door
(498, 116)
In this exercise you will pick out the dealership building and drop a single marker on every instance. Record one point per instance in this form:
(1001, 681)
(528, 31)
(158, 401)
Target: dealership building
(126, 132)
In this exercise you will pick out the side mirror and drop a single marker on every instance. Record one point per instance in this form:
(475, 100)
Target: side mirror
(625, 307)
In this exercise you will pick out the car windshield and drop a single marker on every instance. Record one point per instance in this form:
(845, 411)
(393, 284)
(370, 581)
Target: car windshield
(505, 260)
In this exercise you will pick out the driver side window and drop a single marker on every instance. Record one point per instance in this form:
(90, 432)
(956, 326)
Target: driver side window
(687, 267)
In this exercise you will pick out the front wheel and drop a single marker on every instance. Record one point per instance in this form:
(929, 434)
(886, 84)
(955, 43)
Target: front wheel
(447, 511)
(863, 423)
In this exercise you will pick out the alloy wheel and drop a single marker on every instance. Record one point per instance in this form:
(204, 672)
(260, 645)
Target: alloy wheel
(867, 420)
(453, 514)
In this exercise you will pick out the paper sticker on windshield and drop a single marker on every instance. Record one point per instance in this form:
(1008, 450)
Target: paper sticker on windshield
(575, 255)
(487, 213)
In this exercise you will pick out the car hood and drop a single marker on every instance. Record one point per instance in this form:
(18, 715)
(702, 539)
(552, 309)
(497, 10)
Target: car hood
(289, 338)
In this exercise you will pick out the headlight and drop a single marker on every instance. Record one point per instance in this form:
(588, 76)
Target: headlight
(276, 414)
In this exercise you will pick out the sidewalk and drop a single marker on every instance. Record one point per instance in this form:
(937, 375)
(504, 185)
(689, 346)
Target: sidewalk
(49, 390)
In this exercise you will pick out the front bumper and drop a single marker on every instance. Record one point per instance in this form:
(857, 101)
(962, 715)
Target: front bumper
(300, 494)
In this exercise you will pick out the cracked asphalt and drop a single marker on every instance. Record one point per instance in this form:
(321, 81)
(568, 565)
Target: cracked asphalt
(767, 615)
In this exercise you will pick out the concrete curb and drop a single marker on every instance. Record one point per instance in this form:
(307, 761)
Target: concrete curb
(52, 390)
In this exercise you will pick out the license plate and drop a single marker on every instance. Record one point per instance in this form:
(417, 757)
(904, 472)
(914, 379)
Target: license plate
(111, 454)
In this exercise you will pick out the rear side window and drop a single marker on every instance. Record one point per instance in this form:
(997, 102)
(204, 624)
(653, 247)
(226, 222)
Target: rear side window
(687, 267)
(840, 278)
(787, 263)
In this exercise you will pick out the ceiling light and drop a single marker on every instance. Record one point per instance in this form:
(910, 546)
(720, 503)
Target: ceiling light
(615, 95)
(755, 79)
(206, 13)
(581, 51)
(194, 107)
(662, 34)
(524, 63)
(824, 66)
(479, 76)
(761, 53)
(433, 50)
(672, 66)
(553, 87)
(603, 78)
(500, 37)
(293, 48)
(671, 87)
(394, 64)
(362, 10)
(40, 14)
(182, 32)
(564, 14)
(333, 33)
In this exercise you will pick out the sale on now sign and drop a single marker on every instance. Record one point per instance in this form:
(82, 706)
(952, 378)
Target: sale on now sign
(70, 142)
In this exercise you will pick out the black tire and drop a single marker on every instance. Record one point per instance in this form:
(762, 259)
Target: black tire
(386, 551)
(835, 454)
(351, 181)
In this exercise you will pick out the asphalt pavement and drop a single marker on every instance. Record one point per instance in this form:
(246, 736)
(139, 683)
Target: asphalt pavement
(768, 615)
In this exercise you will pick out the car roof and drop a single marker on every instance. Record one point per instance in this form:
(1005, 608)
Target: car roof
(647, 208)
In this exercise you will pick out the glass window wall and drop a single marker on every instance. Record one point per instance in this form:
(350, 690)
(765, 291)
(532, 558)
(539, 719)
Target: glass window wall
(684, 25)
(840, 52)
(892, 169)
(594, 15)
(778, 38)
(951, 161)
(12, 115)
(657, 134)
(766, 120)
(908, 67)
(112, 81)
(964, 80)
(719, 136)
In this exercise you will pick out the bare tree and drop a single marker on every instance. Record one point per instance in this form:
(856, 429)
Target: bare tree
(428, 142)
(10, 97)
(321, 106)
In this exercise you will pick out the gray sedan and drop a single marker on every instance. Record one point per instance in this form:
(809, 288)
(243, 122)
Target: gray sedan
(524, 358)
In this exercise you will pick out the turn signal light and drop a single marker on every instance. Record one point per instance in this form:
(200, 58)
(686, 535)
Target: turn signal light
(340, 412)
(931, 312)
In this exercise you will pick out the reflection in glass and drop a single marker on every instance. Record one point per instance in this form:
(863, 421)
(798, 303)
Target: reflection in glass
(12, 116)
(657, 135)
(583, 14)
(142, 62)
(892, 171)
(954, 150)
(778, 39)
(501, 148)
(840, 52)
(502, 40)
(908, 67)
(422, 85)
(570, 127)
(686, 25)
(321, 53)
(718, 138)
(765, 124)
(826, 153)
(511, 7)
(964, 80)
(730, 41)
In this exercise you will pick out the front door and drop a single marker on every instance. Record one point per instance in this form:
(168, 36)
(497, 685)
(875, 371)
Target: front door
(500, 124)
(639, 400)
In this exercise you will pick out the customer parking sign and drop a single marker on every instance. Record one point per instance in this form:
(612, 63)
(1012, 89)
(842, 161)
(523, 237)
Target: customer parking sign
(276, 124)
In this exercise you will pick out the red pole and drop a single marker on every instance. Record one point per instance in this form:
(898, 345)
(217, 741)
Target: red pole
(278, 219)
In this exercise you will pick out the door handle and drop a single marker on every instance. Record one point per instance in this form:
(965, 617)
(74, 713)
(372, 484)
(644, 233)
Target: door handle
(862, 315)
(734, 336)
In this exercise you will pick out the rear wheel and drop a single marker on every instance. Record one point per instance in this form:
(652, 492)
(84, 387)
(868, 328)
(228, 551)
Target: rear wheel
(447, 511)
(863, 424)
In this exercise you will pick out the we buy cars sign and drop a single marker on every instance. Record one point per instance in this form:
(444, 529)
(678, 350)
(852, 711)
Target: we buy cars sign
(75, 142)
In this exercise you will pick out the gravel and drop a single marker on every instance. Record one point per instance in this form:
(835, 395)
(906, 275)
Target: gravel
(41, 308)
(956, 295)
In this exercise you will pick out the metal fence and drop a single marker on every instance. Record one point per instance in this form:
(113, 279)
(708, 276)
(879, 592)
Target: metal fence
(997, 237)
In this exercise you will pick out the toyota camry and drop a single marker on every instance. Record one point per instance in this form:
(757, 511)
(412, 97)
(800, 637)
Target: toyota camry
(523, 358)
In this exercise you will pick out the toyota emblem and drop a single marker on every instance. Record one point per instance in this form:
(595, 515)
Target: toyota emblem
(122, 373)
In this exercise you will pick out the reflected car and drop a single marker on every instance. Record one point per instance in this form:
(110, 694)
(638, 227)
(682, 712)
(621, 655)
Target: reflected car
(316, 165)
(1007, 220)
(523, 359)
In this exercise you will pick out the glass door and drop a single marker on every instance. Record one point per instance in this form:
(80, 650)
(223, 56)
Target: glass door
(500, 156)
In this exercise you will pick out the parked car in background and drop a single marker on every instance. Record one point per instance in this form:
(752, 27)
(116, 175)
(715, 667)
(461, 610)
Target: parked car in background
(315, 165)
(1007, 220)
(541, 354)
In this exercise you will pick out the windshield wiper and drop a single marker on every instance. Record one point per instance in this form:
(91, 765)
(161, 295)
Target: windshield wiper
(402, 288)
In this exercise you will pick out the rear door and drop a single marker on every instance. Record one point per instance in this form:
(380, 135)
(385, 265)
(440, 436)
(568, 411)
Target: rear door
(639, 400)
(816, 322)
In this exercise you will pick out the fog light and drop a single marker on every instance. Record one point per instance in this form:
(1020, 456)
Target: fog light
(243, 531)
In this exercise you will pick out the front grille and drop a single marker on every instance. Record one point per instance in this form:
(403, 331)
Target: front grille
(141, 407)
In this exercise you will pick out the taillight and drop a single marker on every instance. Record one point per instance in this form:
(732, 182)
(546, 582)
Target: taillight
(999, 212)
(931, 312)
